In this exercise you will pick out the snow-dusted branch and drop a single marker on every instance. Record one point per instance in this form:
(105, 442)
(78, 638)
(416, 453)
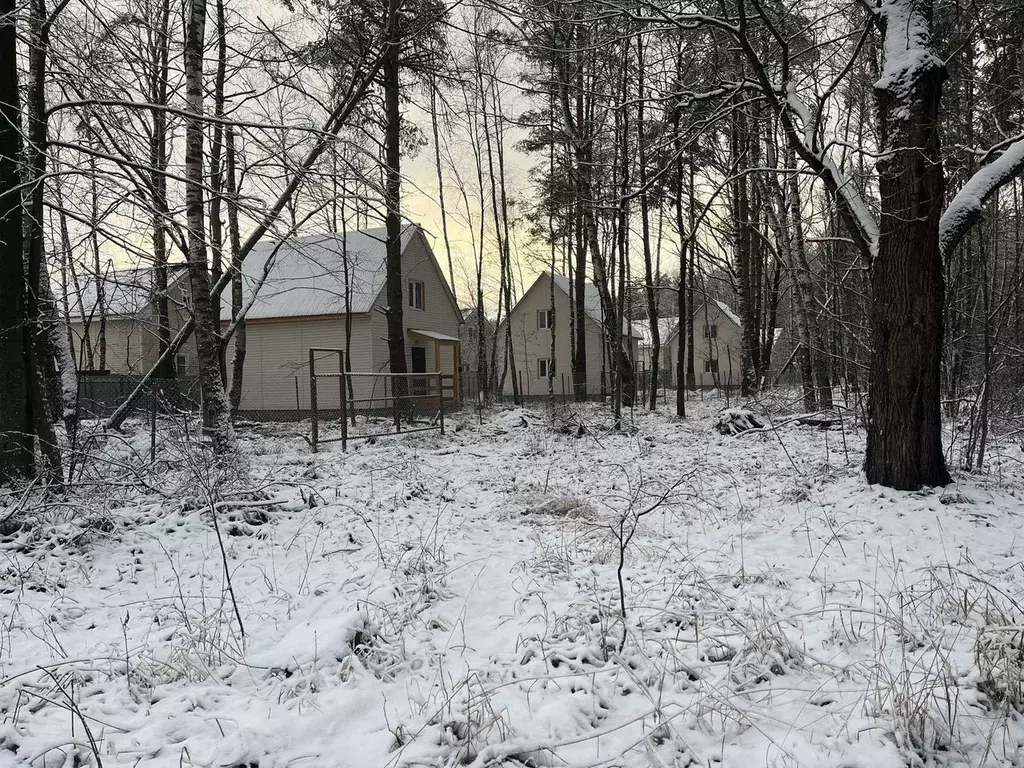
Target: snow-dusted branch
(967, 205)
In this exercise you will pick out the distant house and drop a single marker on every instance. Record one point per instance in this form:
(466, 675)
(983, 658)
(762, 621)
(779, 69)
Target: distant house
(717, 346)
(307, 292)
(472, 342)
(123, 299)
(531, 324)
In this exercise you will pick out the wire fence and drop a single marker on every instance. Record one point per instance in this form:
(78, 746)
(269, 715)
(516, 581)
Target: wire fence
(350, 405)
(100, 394)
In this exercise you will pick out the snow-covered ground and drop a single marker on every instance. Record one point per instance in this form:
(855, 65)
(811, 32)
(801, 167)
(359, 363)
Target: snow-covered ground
(455, 600)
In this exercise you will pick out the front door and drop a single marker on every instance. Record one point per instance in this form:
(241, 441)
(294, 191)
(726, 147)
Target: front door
(420, 385)
(419, 360)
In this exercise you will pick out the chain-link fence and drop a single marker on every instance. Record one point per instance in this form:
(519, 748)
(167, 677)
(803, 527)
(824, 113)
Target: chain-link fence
(99, 394)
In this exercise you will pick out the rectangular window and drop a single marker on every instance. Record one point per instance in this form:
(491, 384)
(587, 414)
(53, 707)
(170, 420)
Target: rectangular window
(415, 294)
(545, 368)
(710, 366)
(181, 362)
(710, 331)
(544, 318)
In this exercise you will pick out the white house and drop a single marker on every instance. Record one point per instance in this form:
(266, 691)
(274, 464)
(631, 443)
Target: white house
(328, 291)
(532, 322)
(316, 291)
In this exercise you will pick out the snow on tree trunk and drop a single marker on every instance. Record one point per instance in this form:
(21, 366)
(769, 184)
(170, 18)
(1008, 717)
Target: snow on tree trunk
(904, 441)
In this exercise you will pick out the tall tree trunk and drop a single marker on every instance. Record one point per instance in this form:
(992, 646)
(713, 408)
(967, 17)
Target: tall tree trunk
(579, 309)
(159, 51)
(16, 430)
(651, 290)
(904, 436)
(217, 151)
(817, 352)
(38, 313)
(392, 195)
(216, 412)
(99, 276)
(691, 374)
(235, 240)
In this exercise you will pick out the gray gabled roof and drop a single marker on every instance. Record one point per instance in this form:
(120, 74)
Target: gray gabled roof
(126, 292)
(591, 300)
(306, 276)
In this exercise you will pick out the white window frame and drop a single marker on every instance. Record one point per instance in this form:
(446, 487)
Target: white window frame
(544, 318)
(545, 367)
(412, 292)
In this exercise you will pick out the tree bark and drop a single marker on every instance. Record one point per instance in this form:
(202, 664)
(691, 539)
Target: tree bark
(216, 413)
(16, 433)
(904, 440)
(234, 238)
(392, 192)
(41, 371)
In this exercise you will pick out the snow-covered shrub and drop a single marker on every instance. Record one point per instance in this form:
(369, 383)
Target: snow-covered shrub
(733, 421)
(999, 654)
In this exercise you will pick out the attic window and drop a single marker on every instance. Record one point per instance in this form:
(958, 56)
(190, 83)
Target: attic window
(544, 318)
(710, 331)
(415, 294)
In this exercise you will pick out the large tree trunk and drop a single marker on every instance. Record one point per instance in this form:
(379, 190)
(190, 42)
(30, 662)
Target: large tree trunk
(393, 189)
(41, 373)
(159, 43)
(579, 313)
(904, 440)
(216, 413)
(16, 443)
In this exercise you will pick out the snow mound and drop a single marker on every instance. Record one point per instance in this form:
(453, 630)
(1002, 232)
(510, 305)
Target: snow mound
(733, 421)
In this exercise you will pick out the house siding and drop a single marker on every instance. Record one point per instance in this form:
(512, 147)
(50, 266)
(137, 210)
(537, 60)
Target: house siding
(531, 344)
(439, 312)
(277, 359)
(727, 348)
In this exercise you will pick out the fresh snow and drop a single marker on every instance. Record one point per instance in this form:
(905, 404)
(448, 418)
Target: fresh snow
(442, 600)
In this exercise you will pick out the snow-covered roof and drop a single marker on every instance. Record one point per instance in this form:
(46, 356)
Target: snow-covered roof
(591, 300)
(728, 312)
(306, 275)
(666, 329)
(126, 292)
(435, 335)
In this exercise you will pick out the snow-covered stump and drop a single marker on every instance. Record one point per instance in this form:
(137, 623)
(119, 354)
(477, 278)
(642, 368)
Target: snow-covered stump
(734, 421)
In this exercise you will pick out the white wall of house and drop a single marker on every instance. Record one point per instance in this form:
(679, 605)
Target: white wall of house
(277, 359)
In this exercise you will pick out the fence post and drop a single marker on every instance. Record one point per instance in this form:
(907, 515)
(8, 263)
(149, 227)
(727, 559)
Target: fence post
(440, 398)
(315, 428)
(152, 426)
(343, 392)
(395, 404)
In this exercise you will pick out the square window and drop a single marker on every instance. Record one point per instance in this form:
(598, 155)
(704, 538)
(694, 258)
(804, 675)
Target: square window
(710, 331)
(545, 368)
(710, 366)
(415, 294)
(544, 318)
(180, 362)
